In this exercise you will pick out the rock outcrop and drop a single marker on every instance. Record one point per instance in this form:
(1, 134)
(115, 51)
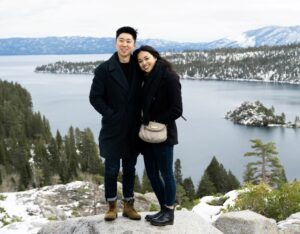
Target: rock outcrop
(186, 222)
(291, 225)
(76, 199)
(245, 222)
(63, 203)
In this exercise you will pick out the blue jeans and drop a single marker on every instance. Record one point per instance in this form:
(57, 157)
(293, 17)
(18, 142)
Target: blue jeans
(112, 168)
(158, 160)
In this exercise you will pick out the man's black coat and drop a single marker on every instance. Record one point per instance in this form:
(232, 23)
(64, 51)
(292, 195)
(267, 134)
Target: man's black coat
(118, 103)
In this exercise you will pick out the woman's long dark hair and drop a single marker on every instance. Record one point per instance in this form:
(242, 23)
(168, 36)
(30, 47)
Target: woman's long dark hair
(155, 54)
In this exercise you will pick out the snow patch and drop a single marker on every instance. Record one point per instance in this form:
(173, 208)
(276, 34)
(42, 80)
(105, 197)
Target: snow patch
(211, 213)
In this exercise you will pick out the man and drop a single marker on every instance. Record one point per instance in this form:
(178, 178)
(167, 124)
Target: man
(114, 94)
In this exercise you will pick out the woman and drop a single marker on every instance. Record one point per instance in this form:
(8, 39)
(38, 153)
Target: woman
(161, 102)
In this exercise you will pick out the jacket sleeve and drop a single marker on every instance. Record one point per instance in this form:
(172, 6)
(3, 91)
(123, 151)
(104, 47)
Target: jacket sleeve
(174, 101)
(98, 92)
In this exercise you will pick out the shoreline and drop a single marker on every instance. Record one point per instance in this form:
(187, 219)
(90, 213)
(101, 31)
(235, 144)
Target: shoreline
(188, 78)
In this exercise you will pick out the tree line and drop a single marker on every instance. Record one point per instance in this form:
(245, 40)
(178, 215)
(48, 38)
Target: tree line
(265, 63)
(65, 67)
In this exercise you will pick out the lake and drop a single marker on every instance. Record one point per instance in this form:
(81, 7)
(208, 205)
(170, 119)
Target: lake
(63, 99)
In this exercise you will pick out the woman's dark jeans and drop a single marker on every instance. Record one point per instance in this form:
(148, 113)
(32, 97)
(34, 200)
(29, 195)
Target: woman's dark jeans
(158, 160)
(112, 167)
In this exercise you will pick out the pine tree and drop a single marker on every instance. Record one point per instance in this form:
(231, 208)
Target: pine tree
(177, 172)
(89, 152)
(62, 161)
(218, 175)
(71, 154)
(63, 166)
(59, 140)
(23, 166)
(41, 168)
(267, 168)
(37, 126)
(54, 160)
(78, 138)
(206, 186)
(189, 188)
(282, 118)
(249, 173)
(223, 184)
(46, 130)
(233, 182)
(277, 173)
(181, 196)
(2, 152)
(46, 172)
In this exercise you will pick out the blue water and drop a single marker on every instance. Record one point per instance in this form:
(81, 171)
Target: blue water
(63, 99)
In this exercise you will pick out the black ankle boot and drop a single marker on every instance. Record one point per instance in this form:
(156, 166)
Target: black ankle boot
(154, 216)
(166, 218)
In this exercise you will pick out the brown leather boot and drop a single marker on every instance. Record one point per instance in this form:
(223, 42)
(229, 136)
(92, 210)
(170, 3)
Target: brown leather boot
(129, 210)
(112, 212)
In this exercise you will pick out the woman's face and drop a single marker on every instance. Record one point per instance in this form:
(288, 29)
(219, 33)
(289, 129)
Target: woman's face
(146, 61)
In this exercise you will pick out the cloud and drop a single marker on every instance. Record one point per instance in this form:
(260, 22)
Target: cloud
(192, 20)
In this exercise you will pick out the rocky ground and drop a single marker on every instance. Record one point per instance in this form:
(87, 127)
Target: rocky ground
(60, 202)
(186, 222)
(80, 206)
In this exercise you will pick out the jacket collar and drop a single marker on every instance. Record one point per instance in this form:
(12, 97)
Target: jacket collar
(116, 71)
(150, 88)
(119, 76)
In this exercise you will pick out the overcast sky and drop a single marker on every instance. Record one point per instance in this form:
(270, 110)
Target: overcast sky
(178, 20)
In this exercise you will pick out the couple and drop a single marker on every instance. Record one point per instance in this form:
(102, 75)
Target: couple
(124, 87)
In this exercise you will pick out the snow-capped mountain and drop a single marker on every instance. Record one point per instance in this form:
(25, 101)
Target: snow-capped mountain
(82, 45)
(272, 35)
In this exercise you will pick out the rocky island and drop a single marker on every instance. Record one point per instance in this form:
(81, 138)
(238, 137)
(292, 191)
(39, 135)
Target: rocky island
(257, 115)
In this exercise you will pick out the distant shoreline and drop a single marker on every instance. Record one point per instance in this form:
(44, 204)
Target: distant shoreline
(190, 78)
(242, 80)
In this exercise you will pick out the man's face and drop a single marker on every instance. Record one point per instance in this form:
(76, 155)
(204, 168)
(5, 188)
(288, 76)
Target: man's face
(125, 44)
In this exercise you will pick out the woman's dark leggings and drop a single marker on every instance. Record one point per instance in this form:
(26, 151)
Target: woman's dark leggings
(158, 160)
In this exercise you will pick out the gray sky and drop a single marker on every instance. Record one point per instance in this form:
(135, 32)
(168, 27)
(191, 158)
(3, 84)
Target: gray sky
(178, 20)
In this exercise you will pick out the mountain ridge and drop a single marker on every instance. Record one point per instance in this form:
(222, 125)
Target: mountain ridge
(269, 36)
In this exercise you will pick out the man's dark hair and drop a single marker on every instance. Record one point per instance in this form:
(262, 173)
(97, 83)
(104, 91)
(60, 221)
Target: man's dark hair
(127, 29)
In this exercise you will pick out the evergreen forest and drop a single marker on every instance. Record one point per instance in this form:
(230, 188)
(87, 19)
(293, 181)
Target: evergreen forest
(265, 63)
(30, 156)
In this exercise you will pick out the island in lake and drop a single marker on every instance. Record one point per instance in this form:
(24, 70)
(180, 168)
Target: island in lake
(257, 115)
